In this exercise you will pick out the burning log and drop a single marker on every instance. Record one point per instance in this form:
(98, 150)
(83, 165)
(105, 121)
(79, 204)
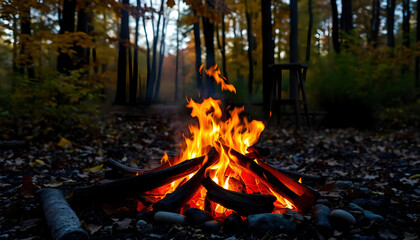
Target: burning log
(307, 179)
(61, 219)
(173, 202)
(126, 170)
(132, 186)
(298, 194)
(243, 204)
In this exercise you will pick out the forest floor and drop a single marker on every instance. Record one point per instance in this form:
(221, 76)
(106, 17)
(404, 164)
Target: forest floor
(365, 170)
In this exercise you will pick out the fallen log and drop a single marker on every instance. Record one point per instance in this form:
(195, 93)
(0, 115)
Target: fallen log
(61, 219)
(133, 186)
(243, 204)
(174, 202)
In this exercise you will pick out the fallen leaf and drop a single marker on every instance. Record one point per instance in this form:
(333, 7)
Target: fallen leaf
(96, 168)
(64, 143)
(92, 228)
(37, 163)
(53, 184)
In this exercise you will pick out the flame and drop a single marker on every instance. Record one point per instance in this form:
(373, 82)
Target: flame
(214, 72)
(300, 180)
(214, 128)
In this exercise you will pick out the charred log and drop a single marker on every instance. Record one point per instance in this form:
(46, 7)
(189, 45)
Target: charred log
(243, 204)
(133, 186)
(306, 179)
(298, 194)
(173, 202)
(61, 219)
(125, 170)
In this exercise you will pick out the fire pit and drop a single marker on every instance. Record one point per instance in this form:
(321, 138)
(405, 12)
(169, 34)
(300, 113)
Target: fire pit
(217, 170)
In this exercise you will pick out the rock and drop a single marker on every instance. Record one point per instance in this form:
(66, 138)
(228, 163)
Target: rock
(355, 207)
(341, 219)
(366, 191)
(233, 222)
(143, 227)
(275, 223)
(169, 217)
(212, 226)
(324, 202)
(344, 184)
(373, 216)
(322, 215)
(197, 216)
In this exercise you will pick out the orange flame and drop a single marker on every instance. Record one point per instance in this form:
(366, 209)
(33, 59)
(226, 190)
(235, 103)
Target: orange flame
(214, 72)
(213, 129)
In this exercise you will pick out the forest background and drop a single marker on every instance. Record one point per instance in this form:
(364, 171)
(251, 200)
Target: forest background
(64, 61)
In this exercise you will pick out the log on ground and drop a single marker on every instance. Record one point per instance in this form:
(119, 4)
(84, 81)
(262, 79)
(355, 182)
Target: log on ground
(61, 219)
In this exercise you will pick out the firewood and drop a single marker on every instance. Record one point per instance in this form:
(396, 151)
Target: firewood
(61, 219)
(257, 152)
(298, 195)
(133, 186)
(173, 202)
(126, 170)
(257, 171)
(306, 179)
(243, 204)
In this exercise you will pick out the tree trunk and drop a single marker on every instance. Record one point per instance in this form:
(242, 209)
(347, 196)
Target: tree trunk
(25, 37)
(64, 61)
(417, 66)
(346, 16)
(134, 80)
(335, 38)
(197, 43)
(177, 52)
(225, 74)
(251, 47)
(15, 39)
(120, 97)
(309, 37)
(375, 22)
(268, 52)
(208, 30)
(161, 56)
(152, 77)
(147, 53)
(83, 19)
(293, 46)
(406, 23)
(390, 13)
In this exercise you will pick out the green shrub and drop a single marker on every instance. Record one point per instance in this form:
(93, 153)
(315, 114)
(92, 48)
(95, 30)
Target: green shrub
(355, 85)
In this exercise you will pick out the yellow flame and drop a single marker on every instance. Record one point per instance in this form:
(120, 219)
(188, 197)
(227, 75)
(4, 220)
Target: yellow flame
(213, 129)
(300, 180)
(214, 72)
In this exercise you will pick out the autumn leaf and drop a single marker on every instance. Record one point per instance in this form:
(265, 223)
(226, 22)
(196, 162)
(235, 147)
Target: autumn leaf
(170, 3)
(64, 143)
(96, 168)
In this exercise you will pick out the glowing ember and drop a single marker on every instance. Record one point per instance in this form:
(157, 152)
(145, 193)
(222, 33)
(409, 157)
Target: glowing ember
(216, 128)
